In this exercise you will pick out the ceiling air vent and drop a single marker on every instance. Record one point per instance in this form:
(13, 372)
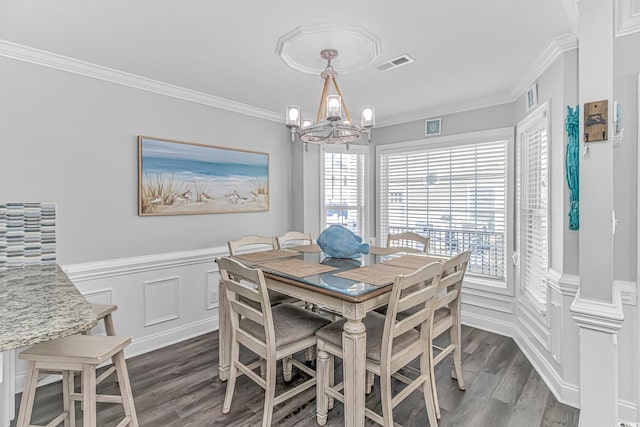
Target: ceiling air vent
(394, 63)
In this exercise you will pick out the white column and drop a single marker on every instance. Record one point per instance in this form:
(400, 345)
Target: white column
(597, 309)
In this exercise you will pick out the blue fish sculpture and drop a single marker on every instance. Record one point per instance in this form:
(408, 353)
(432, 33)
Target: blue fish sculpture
(340, 242)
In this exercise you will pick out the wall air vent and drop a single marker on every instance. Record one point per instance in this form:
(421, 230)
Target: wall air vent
(394, 63)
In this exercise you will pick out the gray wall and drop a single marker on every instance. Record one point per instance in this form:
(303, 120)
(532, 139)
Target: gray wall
(72, 140)
(625, 157)
(498, 116)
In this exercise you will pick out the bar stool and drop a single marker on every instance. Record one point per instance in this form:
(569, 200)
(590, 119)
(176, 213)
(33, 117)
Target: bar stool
(103, 311)
(78, 353)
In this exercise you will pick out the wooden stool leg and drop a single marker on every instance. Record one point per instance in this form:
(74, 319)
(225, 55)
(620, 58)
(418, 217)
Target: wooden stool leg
(67, 402)
(322, 382)
(72, 403)
(26, 405)
(108, 325)
(125, 387)
(89, 395)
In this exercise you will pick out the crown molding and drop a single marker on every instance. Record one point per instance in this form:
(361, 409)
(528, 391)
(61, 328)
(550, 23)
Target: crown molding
(557, 47)
(76, 66)
(627, 14)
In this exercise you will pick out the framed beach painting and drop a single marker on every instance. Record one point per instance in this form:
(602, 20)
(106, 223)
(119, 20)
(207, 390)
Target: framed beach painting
(177, 178)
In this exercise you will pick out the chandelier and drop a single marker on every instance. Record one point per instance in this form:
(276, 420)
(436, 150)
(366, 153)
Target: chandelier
(330, 126)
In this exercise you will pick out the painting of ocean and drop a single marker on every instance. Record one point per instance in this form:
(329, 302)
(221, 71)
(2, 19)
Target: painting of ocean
(176, 177)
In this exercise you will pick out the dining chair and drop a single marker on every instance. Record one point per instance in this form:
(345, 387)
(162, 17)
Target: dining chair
(447, 318)
(408, 242)
(294, 238)
(260, 243)
(391, 344)
(272, 333)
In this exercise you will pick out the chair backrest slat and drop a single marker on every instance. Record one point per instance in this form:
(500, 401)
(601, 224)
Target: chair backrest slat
(244, 310)
(407, 242)
(408, 291)
(452, 276)
(266, 242)
(294, 238)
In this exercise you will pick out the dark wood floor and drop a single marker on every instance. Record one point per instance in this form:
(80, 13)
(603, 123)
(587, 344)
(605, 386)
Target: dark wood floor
(178, 386)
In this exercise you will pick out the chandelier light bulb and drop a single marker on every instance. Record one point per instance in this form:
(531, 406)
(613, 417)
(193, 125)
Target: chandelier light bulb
(333, 107)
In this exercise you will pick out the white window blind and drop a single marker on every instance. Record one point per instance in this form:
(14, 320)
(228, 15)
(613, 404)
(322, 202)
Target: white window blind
(455, 195)
(532, 208)
(343, 187)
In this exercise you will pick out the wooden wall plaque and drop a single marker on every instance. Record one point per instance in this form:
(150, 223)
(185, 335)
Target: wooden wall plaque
(595, 121)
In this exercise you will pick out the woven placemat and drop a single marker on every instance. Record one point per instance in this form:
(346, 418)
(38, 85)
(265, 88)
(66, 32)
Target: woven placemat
(296, 267)
(377, 274)
(412, 261)
(313, 248)
(257, 257)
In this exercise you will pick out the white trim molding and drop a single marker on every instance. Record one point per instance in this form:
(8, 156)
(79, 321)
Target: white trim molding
(76, 66)
(124, 266)
(597, 315)
(566, 284)
(627, 17)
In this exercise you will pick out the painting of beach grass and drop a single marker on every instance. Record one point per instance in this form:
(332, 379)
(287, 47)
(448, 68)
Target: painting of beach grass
(176, 178)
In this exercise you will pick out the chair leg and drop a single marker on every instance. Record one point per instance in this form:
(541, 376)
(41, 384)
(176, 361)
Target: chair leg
(322, 381)
(231, 381)
(454, 335)
(432, 383)
(370, 379)
(122, 374)
(287, 369)
(26, 405)
(269, 393)
(309, 355)
(89, 395)
(428, 387)
(332, 381)
(386, 400)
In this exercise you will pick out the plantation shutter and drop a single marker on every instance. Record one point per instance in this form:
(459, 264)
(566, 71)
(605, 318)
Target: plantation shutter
(343, 185)
(455, 195)
(532, 208)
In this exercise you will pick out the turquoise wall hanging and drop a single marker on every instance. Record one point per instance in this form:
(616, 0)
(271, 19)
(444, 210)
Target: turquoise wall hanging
(572, 166)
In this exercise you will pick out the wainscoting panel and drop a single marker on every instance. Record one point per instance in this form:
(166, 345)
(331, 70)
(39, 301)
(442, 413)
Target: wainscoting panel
(161, 301)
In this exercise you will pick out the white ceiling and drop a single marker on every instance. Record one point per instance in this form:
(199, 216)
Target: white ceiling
(468, 53)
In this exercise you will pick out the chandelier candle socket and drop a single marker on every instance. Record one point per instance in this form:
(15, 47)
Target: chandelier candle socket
(330, 126)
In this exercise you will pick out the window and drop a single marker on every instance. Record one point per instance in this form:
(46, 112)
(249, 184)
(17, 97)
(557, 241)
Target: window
(532, 207)
(343, 185)
(452, 191)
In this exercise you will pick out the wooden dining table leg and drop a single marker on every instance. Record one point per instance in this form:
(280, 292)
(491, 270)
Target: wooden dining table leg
(354, 368)
(224, 334)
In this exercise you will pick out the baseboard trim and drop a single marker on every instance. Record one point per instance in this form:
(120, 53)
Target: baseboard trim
(566, 393)
(485, 323)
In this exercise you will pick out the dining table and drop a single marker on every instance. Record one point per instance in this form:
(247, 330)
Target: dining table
(349, 287)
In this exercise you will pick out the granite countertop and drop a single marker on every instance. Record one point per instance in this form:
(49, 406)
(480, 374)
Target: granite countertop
(40, 303)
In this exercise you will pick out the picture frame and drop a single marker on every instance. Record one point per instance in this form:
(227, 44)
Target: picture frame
(432, 127)
(531, 96)
(186, 178)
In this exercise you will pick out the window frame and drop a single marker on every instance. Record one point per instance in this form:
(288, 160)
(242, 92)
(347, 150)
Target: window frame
(526, 298)
(472, 282)
(353, 149)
